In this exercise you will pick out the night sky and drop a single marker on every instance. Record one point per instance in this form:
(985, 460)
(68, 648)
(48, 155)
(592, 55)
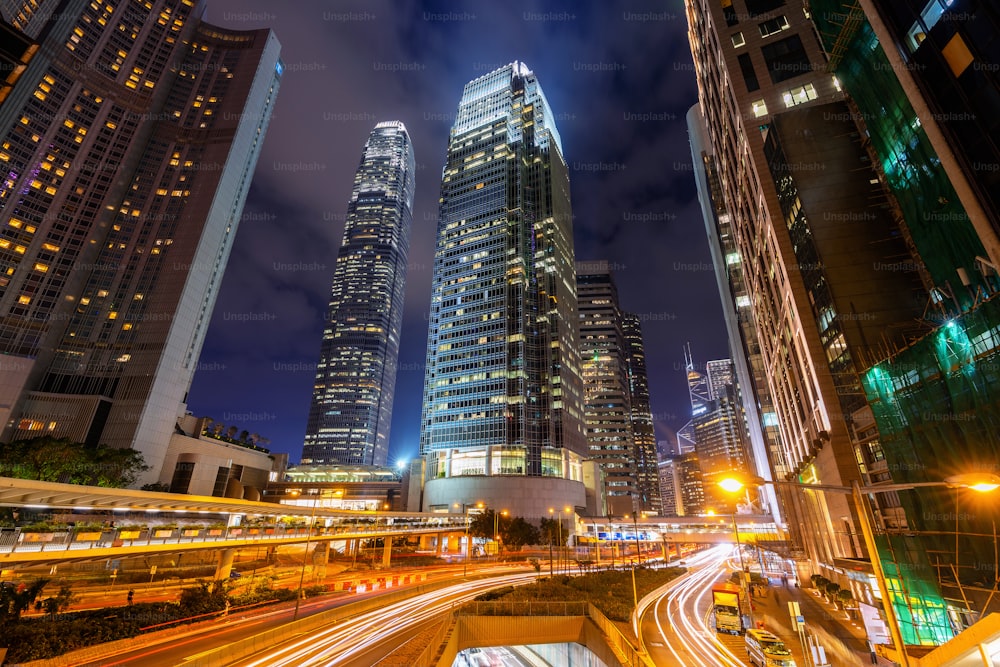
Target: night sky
(619, 80)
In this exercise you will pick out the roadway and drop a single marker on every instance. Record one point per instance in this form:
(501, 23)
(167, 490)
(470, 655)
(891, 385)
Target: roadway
(360, 640)
(363, 640)
(676, 627)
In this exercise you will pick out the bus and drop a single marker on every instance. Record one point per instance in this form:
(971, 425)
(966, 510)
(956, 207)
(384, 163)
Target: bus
(764, 649)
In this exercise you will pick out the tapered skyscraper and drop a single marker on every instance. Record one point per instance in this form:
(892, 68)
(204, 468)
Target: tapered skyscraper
(356, 377)
(502, 417)
(129, 136)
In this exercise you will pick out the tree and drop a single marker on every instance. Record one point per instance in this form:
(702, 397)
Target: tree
(16, 599)
(52, 459)
(518, 532)
(481, 524)
(553, 532)
(61, 601)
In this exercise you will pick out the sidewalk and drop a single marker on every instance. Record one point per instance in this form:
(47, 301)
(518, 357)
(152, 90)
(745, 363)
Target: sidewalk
(844, 640)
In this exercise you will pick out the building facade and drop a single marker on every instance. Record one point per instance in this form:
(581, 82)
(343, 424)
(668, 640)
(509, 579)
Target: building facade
(619, 422)
(643, 430)
(128, 142)
(351, 411)
(922, 77)
(503, 396)
(823, 258)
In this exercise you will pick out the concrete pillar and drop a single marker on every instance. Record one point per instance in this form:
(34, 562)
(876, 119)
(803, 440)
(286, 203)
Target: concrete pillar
(320, 557)
(386, 551)
(438, 540)
(225, 565)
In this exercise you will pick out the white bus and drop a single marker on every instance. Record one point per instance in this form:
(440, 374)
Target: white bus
(766, 650)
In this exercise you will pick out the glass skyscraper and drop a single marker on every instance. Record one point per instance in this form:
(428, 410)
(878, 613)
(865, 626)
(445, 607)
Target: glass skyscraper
(503, 402)
(356, 377)
(616, 395)
(127, 145)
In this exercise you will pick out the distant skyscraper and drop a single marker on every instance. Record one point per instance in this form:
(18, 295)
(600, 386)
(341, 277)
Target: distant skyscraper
(670, 492)
(502, 418)
(618, 419)
(351, 409)
(128, 145)
(643, 431)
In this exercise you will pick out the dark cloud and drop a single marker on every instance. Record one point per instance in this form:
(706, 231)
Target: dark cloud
(618, 79)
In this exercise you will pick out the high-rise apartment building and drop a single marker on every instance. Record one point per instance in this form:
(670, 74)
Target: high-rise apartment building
(618, 420)
(128, 142)
(502, 419)
(822, 258)
(351, 410)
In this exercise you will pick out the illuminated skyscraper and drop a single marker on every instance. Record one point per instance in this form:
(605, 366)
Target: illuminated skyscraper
(502, 418)
(355, 380)
(129, 139)
(618, 419)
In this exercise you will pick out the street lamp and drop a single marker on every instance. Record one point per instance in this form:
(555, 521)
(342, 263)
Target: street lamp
(468, 520)
(983, 483)
(302, 573)
(635, 529)
(561, 544)
(496, 530)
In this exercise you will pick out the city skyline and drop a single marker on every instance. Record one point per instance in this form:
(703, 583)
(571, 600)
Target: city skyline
(621, 117)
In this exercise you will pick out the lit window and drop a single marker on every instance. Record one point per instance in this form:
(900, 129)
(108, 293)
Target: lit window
(759, 108)
(799, 95)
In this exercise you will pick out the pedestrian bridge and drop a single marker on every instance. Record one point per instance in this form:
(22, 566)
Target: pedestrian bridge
(98, 523)
(105, 525)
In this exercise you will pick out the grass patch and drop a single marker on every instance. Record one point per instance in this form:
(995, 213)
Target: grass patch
(609, 590)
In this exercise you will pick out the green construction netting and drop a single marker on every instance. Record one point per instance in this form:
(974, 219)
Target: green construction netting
(938, 224)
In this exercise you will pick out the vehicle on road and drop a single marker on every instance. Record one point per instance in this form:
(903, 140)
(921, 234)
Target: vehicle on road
(766, 650)
(726, 604)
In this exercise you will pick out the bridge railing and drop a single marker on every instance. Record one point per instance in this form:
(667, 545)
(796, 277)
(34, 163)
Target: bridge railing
(523, 608)
(17, 540)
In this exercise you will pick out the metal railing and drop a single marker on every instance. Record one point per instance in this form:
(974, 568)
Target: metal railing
(14, 540)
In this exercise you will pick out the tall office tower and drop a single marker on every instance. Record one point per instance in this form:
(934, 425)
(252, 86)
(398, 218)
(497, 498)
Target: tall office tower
(823, 258)
(719, 373)
(643, 431)
(351, 410)
(502, 420)
(923, 77)
(747, 367)
(616, 394)
(722, 446)
(670, 491)
(128, 143)
(691, 500)
(607, 400)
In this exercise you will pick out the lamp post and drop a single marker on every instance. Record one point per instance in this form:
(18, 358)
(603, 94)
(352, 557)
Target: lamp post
(302, 573)
(496, 530)
(982, 483)
(468, 545)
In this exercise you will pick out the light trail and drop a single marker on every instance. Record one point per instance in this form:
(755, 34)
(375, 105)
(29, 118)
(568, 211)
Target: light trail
(679, 604)
(346, 639)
